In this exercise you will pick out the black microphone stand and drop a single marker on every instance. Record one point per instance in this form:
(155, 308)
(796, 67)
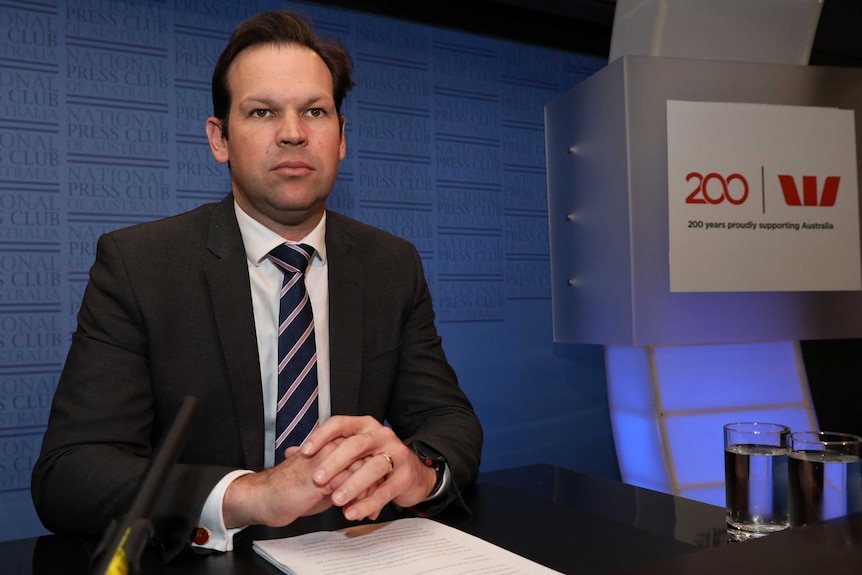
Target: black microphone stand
(119, 552)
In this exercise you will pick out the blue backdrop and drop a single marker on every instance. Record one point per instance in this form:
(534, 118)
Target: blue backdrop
(102, 111)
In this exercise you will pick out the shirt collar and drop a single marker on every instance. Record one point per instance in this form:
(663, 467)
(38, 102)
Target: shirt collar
(259, 239)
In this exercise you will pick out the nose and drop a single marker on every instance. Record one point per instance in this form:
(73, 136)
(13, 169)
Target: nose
(291, 130)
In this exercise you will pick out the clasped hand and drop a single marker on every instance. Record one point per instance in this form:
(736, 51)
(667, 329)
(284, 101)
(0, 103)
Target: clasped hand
(341, 463)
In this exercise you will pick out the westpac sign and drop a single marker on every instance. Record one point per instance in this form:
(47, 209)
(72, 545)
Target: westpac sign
(762, 198)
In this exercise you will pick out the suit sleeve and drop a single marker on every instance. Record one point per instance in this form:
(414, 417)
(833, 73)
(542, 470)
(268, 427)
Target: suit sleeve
(105, 424)
(427, 402)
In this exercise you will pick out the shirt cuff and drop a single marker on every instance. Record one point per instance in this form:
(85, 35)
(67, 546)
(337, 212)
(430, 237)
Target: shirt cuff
(211, 532)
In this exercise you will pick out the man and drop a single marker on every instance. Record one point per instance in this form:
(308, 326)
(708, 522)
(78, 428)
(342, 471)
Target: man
(189, 305)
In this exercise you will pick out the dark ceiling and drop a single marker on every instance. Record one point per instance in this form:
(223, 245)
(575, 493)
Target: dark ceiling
(584, 26)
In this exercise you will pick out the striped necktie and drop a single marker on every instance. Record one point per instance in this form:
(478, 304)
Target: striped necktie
(296, 411)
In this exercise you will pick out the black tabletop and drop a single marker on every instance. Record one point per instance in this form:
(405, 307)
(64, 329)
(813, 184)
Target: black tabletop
(568, 521)
(833, 547)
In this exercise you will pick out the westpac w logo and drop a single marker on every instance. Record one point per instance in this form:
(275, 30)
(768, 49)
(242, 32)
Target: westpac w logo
(808, 198)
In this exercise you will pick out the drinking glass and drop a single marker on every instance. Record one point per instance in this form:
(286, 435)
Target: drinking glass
(755, 478)
(825, 471)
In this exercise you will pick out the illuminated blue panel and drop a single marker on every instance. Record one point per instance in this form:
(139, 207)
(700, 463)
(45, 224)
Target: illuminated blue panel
(696, 442)
(728, 376)
(639, 452)
(628, 369)
(668, 414)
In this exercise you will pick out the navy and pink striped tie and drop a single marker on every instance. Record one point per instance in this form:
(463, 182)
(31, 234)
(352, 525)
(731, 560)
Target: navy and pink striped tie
(296, 412)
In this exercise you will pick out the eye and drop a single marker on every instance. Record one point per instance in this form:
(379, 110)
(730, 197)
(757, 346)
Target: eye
(316, 112)
(261, 113)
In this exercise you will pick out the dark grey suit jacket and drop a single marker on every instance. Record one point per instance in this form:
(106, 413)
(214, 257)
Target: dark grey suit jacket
(168, 313)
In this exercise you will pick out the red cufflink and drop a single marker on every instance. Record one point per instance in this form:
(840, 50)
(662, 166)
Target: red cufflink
(201, 536)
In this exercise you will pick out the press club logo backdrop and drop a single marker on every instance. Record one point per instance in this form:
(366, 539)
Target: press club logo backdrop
(102, 111)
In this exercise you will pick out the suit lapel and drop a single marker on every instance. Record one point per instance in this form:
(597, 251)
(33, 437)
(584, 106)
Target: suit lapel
(345, 317)
(230, 291)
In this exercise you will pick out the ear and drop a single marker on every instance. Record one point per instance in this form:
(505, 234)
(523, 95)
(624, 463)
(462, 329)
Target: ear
(218, 143)
(342, 147)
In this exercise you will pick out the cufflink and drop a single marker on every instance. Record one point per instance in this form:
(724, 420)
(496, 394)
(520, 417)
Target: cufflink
(201, 536)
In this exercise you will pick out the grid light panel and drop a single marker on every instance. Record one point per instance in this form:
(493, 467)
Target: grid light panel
(669, 404)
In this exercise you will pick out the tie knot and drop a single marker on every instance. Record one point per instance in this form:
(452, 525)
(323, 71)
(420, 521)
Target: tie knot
(292, 257)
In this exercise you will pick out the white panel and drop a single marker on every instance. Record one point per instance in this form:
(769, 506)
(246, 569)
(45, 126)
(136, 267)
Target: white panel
(779, 31)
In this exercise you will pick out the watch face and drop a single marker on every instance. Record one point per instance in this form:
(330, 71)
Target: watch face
(429, 456)
(434, 459)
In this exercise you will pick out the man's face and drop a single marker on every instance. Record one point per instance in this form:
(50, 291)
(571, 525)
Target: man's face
(285, 137)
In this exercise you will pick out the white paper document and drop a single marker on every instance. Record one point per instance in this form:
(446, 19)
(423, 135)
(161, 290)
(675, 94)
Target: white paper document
(413, 546)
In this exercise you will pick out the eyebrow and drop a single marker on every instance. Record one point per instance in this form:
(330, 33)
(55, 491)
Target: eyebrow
(254, 100)
(272, 102)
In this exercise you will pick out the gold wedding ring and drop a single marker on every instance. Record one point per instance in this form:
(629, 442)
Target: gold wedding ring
(389, 459)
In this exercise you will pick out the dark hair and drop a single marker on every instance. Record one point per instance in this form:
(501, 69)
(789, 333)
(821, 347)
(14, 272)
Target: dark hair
(274, 28)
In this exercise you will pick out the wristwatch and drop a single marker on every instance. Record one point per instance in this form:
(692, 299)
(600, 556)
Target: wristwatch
(432, 458)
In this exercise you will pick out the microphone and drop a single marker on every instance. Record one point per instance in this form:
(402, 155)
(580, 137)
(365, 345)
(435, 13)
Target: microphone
(119, 551)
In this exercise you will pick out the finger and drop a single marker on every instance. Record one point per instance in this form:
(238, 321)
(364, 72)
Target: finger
(362, 495)
(288, 452)
(348, 451)
(336, 481)
(367, 493)
(365, 482)
(372, 505)
(335, 427)
(294, 451)
(339, 479)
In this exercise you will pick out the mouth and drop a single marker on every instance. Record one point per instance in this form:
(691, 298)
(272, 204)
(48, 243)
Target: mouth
(293, 168)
